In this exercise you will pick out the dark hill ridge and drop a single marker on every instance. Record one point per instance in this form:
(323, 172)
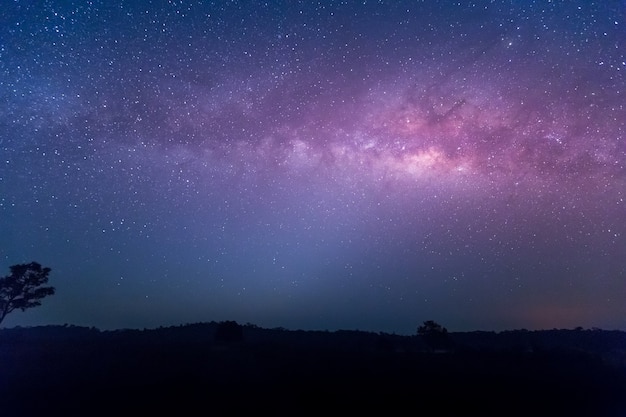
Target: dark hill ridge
(225, 367)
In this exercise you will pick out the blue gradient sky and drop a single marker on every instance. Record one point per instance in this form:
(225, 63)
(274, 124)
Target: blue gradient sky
(317, 165)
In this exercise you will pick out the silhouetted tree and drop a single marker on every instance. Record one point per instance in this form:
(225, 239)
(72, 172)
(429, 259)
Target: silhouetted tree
(434, 334)
(23, 288)
(431, 327)
(229, 331)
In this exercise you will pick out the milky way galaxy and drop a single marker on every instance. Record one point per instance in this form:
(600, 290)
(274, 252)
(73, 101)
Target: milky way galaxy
(317, 165)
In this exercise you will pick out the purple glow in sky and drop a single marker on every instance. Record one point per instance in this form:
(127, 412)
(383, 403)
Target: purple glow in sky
(317, 165)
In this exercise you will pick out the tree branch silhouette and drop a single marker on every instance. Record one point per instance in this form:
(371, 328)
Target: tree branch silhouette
(23, 288)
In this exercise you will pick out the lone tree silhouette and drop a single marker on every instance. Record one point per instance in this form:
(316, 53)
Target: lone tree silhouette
(23, 288)
(431, 327)
(434, 334)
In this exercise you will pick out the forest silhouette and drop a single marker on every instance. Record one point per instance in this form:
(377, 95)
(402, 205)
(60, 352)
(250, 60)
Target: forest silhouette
(229, 368)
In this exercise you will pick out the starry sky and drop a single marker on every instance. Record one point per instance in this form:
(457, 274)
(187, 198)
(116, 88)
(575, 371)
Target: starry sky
(317, 165)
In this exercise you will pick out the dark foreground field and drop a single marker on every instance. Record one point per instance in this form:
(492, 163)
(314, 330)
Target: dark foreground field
(193, 370)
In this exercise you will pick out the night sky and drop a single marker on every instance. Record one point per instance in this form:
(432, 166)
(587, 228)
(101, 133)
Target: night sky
(317, 165)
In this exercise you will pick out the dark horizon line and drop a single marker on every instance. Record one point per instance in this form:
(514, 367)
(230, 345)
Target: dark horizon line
(281, 328)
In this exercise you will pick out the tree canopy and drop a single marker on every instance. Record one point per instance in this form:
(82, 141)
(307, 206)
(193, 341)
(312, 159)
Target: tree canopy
(23, 288)
(431, 327)
(434, 334)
